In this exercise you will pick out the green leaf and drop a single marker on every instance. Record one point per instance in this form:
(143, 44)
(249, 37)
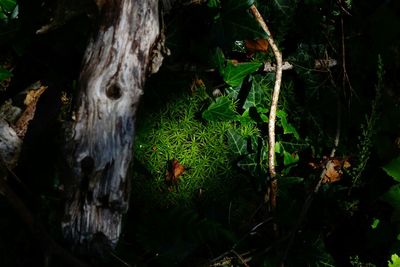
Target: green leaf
(236, 23)
(393, 196)
(278, 147)
(251, 164)
(245, 118)
(213, 3)
(218, 60)
(287, 127)
(232, 92)
(375, 223)
(236, 142)
(234, 74)
(395, 261)
(8, 5)
(258, 96)
(393, 169)
(290, 158)
(4, 74)
(222, 109)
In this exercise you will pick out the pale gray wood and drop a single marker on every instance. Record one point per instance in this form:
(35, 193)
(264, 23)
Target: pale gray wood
(115, 66)
(10, 145)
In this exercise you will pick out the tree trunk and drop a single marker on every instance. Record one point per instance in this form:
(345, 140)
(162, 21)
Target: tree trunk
(116, 63)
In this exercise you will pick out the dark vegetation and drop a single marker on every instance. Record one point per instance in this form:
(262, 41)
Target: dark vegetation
(200, 170)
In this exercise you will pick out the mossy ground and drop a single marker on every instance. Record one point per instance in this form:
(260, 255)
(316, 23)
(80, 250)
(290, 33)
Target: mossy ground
(178, 132)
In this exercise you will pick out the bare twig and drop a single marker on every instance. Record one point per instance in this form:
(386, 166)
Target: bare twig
(345, 76)
(272, 114)
(319, 64)
(233, 248)
(343, 8)
(243, 261)
(120, 260)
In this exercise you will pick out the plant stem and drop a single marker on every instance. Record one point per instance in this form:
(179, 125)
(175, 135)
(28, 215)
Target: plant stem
(272, 114)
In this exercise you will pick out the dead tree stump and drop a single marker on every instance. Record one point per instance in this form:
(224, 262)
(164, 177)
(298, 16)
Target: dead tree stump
(116, 63)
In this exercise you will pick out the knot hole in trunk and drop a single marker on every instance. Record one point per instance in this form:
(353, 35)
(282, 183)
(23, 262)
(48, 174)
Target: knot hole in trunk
(114, 92)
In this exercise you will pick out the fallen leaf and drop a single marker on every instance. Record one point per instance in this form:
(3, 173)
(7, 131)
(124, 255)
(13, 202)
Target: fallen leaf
(31, 100)
(258, 45)
(173, 172)
(197, 83)
(334, 170)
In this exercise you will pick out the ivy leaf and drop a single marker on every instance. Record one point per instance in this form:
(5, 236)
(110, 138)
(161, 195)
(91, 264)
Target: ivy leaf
(221, 110)
(232, 92)
(278, 147)
(393, 196)
(213, 3)
(4, 74)
(218, 60)
(255, 164)
(247, 119)
(236, 23)
(234, 73)
(393, 169)
(8, 5)
(258, 96)
(236, 142)
(249, 163)
(290, 158)
(287, 127)
(395, 261)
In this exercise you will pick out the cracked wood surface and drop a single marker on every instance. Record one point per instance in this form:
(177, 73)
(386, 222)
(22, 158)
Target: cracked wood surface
(116, 63)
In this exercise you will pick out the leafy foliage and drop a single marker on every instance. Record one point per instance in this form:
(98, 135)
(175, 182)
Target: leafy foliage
(305, 118)
(207, 111)
(4, 74)
(394, 261)
(393, 169)
(8, 10)
(234, 73)
(174, 133)
(220, 110)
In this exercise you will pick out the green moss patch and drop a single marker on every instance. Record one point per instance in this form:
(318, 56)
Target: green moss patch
(177, 132)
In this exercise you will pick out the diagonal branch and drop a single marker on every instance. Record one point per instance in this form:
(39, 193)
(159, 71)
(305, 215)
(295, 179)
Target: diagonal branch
(272, 114)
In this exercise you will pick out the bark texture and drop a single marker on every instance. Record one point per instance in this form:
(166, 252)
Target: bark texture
(10, 145)
(115, 65)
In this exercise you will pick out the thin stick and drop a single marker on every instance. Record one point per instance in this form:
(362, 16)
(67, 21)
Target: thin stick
(240, 258)
(272, 114)
(319, 65)
(120, 260)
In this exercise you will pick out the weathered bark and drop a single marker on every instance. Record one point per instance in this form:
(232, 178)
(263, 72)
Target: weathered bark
(115, 65)
(10, 145)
